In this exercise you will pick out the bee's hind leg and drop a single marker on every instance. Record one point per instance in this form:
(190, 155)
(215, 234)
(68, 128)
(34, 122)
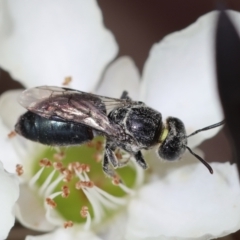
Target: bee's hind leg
(108, 170)
(109, 153)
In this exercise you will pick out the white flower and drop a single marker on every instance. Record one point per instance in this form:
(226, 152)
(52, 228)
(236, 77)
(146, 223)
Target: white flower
(176, 75)
(9, 193)
(54, 39)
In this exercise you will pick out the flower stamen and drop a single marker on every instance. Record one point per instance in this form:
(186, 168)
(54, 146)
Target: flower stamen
(35, 177)
(84, 211)
(19, 169)
(50, 202)
(85, 214)
(92, 189)
(67, 81)
(65, 191)
(58, 165)
(67, 175)
(59, 156)
(46, 183)
(52, 186)
(45, 163)
(84, 184)
(68, 224)
(12, 134)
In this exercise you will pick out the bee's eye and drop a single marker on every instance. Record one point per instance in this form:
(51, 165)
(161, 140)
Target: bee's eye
(174, 145)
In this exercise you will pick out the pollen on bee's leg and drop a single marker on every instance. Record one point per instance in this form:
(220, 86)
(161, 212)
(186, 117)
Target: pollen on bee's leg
(68, 224)
(12, 134)
(19, 169)
(116, 180)
(118, 154)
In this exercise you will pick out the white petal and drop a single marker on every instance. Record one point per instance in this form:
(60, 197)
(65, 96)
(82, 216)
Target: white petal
(66, 234)
(179, 77)
(9, 192)
(121, 75)
(10, 109)
(30, 210)
(187, 203)
(17, 149)
(116, 229)
(42, 42)
(9, 156)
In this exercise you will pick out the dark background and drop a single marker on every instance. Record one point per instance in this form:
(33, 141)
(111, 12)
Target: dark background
(137, 24)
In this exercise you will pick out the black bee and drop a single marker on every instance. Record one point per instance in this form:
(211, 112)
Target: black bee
(61, 116)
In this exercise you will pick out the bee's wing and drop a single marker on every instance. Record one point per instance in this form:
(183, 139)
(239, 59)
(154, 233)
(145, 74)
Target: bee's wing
(72, 105)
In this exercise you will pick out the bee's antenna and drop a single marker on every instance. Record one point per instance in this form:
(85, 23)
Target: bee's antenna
(200, 159)
(207, 128)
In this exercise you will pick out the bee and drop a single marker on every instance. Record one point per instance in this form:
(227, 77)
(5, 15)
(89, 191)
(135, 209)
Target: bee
(59, 116)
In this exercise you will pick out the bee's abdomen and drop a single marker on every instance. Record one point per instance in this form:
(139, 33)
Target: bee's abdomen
(52, 132)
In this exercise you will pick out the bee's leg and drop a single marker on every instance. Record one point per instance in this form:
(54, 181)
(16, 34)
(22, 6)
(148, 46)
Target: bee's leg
(107, 169)
(139, 158)
(125, 95)
(109, 153)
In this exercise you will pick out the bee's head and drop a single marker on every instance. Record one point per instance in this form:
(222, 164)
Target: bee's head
(174, 141)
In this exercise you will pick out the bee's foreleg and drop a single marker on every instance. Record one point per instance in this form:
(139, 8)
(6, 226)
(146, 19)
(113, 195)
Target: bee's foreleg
(140, 160)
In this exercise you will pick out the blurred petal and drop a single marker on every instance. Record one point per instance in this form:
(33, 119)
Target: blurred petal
(9, 156)
(10, 109)
(121, 75)
(228, 75)
(30, 210)
(179, 77)
(17, 149)
(187, 203)
(42, 42)
(116, 230)
(9, 190)
(66, 234)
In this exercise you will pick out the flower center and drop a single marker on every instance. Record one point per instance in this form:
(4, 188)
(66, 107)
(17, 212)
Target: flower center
(73, 184)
